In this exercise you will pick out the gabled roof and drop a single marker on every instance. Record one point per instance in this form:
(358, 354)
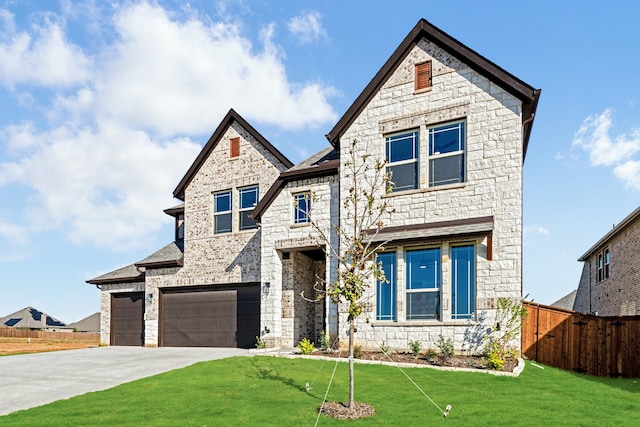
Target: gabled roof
(30, 318)
(88, 324)
(213, 141)
(324, 163)
(629, 220)
(423, 29)
(169, 256)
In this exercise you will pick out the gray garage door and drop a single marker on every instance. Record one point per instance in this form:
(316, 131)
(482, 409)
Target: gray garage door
(210, 317)
(127, 324)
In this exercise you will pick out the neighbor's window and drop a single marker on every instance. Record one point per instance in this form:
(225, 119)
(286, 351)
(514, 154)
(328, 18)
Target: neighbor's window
(446, 154)
(402, 160)
(462, 282)
(606, 263)
(248, 200)
(423, 284)
(600, 268)
(423, 76)
(301, 208)
(386, 291)
(222, 212)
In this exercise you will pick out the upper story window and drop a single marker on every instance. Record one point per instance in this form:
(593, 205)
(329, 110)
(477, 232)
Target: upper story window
(222, 212)
(603, 265)
(234, 147)
(423, 76)
(447, 154)
(248, 199)
(402, 160)
(301, 208)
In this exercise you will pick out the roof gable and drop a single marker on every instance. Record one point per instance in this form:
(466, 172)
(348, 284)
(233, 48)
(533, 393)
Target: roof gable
(215, 139)
(423, 29)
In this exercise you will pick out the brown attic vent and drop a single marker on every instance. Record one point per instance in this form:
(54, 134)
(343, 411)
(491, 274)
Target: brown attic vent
(423, 76)
(234, 147)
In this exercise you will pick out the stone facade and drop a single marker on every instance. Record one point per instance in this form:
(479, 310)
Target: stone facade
(619, 293)
(493, 187)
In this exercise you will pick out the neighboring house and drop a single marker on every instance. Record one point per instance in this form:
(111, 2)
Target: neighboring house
(567, 301)
(88, 324)
(30, 318)
(610, 280)
(453, 128)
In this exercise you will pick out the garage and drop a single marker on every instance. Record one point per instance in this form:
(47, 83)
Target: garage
(127, 314)
(210, 316)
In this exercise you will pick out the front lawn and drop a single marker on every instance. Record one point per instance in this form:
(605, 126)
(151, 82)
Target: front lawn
(264, 391)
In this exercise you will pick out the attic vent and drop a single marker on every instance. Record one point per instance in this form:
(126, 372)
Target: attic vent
(234, 147)
(423, 76)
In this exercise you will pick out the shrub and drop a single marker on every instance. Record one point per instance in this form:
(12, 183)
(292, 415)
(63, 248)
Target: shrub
(498, 348)
(305, 346)
(415, 347)
(260, 343)
(384, 348)
(445, 348)
(357, 351)
(324, 341)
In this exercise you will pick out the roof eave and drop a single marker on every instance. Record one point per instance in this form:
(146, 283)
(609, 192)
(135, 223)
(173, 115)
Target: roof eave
(628, 220)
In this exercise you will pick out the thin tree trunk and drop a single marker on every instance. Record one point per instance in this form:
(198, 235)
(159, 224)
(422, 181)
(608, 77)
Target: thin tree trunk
(351, 382)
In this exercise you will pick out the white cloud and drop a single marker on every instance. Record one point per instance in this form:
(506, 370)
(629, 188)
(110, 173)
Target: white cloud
(43, 58)
(307, 26)
(104, 166)
(618, 152)
(535, 229)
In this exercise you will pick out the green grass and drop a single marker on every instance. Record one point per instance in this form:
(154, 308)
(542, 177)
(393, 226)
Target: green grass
(263, 391)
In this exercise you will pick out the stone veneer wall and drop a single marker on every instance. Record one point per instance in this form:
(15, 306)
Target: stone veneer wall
(279, 234)
(209, 258)
(619, 295)
(105, 306)
(493, 186)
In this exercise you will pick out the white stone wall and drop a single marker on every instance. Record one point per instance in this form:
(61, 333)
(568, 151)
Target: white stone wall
(493, 186)
(279, 234)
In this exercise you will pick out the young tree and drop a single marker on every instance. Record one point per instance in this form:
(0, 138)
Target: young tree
(363, 212)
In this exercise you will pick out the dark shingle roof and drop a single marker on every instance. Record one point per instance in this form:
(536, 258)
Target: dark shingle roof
(169, 256)
(129, 273)
(30, 318)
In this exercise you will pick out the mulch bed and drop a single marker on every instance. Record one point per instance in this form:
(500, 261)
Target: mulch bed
(456, 361)
(342, 411)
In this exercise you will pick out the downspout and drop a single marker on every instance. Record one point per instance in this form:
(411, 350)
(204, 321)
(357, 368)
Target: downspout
(524, 124)
(589, 279)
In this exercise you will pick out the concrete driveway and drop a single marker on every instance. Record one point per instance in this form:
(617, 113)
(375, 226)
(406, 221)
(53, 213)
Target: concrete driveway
(30, 380)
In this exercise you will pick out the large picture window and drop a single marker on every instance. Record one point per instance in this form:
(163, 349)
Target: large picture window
(222, 212)
(446, 154)
(386, 291)
(462, 282)
(402, 160)
(248, 200)
(423, 284)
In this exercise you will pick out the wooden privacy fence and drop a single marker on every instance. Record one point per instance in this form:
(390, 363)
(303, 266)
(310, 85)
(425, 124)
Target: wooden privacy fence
(45, 335)
(602, 346)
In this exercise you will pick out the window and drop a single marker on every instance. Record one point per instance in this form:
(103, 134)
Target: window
(222, 212)
(386, 291)
(234, 147)
(462, 282)
(603, 265)
(606, 263)
(248, 200)
(446, 154)
(423, 284)
(423, 76)
(301, 208)
(402, 160)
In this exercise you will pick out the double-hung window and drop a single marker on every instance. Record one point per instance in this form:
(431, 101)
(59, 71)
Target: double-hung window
(462, 282)
(447, 154)
(301, 208)
(603, 265)
(222, 212)
(248, 200)
(402, 160)
(606, 263)
(386, 290)
(423, 284)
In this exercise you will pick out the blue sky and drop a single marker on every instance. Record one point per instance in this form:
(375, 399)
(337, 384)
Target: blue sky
(104, 105)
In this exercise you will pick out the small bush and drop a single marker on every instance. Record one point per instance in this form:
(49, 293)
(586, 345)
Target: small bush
(324, 341)
(384, 348)
(431, 353)
(415, 347)
(260, 343)
(306, 347)
(445, 348)
(357, 351)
